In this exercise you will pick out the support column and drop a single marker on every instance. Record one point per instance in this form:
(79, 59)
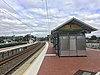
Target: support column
(58, 44)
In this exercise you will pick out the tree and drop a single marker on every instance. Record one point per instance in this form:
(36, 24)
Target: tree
(93, 37)
(28, 37)
(1, 39)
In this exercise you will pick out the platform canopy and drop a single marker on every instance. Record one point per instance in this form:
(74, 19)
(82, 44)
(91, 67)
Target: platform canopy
(74, 25)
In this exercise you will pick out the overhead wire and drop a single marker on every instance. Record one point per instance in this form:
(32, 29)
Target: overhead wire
(21, 15)
(44, 15)
(6, 13)
(17, 14)
(16, 11)
(17, 19)
(47, 14)
(14, 16)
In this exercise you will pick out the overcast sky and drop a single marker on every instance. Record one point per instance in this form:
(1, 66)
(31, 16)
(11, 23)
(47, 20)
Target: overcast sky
(21, 17)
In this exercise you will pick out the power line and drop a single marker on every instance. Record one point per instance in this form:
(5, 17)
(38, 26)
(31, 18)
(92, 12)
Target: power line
(13, 16)
(46, 6)
(24, 31)
(9, 14)
(47, 14)
(15, 10)
(17, 13)
(22, 16)
(10, 6)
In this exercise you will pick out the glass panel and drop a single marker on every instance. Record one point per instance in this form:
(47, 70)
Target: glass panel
(81, 52)
(81, 45)
(64, 43)
(64, 53)
(72, 43)
(73, 53)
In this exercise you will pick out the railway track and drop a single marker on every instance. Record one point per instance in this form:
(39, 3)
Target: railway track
(9, 65)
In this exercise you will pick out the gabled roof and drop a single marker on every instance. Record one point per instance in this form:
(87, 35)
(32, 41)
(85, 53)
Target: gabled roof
(77, 22)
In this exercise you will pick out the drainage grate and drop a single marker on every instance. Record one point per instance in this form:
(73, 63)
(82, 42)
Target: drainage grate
(83, 72)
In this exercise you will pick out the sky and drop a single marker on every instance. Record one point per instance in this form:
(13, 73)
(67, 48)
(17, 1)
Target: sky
(21, 17)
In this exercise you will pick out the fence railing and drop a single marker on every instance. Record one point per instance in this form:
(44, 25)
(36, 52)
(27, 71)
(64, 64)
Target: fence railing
(93, 45)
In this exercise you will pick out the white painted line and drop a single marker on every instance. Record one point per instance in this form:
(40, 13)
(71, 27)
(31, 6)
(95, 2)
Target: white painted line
(35, 66)
(50, 55)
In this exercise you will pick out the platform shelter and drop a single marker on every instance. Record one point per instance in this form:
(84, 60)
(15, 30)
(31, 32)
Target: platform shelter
(69, 38)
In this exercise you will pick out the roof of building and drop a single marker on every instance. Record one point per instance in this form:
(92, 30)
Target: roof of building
(77, 22)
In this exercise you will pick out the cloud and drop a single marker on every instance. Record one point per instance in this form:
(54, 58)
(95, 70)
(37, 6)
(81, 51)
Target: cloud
(9, 21)
(4, 13)
(30, 15)
(30, 3)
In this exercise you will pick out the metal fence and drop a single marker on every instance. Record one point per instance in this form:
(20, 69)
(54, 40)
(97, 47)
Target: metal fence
(93, 45)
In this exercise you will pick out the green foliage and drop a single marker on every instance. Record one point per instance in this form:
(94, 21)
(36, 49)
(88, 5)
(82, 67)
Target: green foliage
(1, 39)
(28, 37)
(93, 39)
(41, 38)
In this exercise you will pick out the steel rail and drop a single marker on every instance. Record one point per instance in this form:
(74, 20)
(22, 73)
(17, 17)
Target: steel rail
(8, 66)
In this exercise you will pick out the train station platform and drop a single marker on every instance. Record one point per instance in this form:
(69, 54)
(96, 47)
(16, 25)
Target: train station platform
(54, 65)
(31, 67)
(15, 47)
